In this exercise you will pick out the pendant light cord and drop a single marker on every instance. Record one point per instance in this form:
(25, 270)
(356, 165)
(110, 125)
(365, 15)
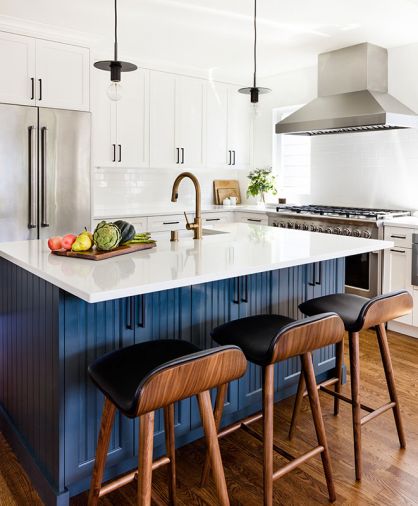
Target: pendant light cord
(255, 43)
(116, 31)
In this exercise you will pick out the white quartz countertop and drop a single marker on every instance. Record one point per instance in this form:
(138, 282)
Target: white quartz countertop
(402, 221)
(177, 209)
(242, 249)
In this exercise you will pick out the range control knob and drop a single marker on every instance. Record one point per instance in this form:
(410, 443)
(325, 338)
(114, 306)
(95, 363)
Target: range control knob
(328, 230)
(297, 226)
(282, 225)
(320, 229)
(289, 224)
(346, 231)
(337, 230)
(366, 234)
(275, 224)
(356, 233)
(305, 226)
(314, 228)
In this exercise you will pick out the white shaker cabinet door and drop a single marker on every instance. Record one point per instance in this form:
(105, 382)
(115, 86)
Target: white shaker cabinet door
(163, 150)
(103, 122)
(62, 75)
(133, 120)
(17, 54)
(239, 129)
(190, 121)
(398, 274)
(217, 153)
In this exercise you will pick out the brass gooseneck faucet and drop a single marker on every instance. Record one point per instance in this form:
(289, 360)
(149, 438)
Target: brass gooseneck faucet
(196, 226)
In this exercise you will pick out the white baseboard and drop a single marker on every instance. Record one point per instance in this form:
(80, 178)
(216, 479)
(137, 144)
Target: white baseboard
(403, 328)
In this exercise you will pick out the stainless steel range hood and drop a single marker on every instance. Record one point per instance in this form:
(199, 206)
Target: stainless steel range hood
(352, 96)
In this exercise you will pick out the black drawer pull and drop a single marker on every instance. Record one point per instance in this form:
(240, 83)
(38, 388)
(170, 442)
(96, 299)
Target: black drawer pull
(171, 222)
(213, 219)
(398, 251)
(398, 236)
(253, 219)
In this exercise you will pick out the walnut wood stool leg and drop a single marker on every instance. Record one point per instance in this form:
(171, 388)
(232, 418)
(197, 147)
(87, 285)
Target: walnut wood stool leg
(309, 374)
(217, 413)
(268, 404)
(390, 380)
(355, 396)
(339, 352)
(212, 444)
(298, 405)
(170, 443)
(106, 424)
(146, 440)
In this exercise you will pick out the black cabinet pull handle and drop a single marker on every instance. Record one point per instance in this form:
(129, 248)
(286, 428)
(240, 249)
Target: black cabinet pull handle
(141, 322)
(398, 236)
(398, 251)
(233, 163)
(114, 152)
(253, 219)
(171, 222)
(230, 157)
(245, 297)
(130, 317)
(120, 152)
(237, 291)
(32, 81)
(40, 89)
(178, 155)
(182, 155)
(212, 219)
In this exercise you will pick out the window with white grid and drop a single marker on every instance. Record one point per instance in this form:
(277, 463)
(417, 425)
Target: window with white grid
(291, 158)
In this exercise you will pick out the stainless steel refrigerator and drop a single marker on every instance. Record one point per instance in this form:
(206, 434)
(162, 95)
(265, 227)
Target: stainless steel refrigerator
(44, 172)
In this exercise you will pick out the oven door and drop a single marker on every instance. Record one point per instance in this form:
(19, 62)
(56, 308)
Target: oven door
(363, 274)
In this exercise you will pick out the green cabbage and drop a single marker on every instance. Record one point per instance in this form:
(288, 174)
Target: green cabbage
(107, 236)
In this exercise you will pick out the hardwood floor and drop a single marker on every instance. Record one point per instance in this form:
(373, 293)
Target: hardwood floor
(390, 474)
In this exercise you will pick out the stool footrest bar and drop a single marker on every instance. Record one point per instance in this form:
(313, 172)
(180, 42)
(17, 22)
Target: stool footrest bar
(377, 412)
(238, 425)
(297, 462)
(325, 383)
(345, 398)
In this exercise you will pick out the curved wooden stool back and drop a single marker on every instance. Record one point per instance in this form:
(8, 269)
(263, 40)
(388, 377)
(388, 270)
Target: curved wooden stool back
(299, 338)
(196, 374)
(374, 314)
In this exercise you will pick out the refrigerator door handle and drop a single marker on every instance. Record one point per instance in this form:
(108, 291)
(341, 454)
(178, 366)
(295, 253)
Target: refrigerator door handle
(44, 175)
(32, 180)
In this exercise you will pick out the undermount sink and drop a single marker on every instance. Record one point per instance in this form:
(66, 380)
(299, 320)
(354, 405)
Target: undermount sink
(211, 231)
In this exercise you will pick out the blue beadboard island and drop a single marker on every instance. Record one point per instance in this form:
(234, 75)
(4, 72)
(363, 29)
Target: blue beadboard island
(58, 314)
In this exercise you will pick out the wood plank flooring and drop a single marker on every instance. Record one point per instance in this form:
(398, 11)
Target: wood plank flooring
(390, 474)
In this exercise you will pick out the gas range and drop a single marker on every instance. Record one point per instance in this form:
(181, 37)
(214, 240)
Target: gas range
(358, 222)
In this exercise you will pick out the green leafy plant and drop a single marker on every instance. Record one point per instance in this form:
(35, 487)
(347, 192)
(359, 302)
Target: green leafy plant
(261, 181)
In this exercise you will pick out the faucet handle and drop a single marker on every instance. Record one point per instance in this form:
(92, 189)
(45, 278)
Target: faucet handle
(187, 221)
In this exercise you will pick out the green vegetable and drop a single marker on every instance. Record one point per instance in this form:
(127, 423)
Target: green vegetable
(107, 236)
(126, 229)
(144, 238)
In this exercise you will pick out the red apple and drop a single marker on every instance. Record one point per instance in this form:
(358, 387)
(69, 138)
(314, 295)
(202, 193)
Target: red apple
(55, 243)
(67, 241)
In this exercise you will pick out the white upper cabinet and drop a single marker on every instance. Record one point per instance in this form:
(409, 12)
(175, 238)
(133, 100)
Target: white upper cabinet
(163, 150)
(43, 73)
(177, 121)
(190, 121)
(62, 74)
(17, 55)
(239, 129)
(121, 129)
(217, 153)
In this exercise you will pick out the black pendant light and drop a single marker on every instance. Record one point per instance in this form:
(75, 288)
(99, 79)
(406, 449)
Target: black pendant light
(255, 91)
(115, 67)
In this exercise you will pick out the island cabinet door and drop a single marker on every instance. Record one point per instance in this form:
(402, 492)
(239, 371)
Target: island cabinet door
(212, 305)
(164, 315)
(90, 331)
(252, 295)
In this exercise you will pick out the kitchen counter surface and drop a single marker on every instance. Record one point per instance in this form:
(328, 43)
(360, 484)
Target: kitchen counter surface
(178, 209)
(242, 249)
(403, 221)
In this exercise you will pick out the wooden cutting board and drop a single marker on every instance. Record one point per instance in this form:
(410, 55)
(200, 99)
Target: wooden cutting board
(95, 254)
(223, 188)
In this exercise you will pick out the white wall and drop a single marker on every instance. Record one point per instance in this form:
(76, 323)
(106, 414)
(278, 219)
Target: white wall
(377, 169)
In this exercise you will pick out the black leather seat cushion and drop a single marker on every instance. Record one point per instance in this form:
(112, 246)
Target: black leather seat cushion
(351, 308)
(121, 373)
(255, 335)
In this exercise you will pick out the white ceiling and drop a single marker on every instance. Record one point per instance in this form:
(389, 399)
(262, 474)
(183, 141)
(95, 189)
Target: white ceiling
(215, 36)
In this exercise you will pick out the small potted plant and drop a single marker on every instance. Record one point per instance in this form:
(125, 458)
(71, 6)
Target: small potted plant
(262, 181)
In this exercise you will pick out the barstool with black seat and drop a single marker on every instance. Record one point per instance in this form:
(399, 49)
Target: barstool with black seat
(142, 378)
(360, 313)
(265, 341)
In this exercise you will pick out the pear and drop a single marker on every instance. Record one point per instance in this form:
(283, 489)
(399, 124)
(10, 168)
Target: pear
(86, 232)
(82, 243)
